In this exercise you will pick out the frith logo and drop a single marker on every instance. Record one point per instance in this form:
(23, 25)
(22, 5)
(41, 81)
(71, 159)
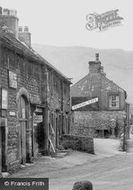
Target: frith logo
(103, 21)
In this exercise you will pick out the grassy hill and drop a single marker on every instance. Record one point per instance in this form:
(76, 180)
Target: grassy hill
(73, 62)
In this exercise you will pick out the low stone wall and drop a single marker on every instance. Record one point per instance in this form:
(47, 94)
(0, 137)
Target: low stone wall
(80, 143)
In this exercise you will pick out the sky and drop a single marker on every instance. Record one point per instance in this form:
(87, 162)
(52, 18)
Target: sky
(63, 22)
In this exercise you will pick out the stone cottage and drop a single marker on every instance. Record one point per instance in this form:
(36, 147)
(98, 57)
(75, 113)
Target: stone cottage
(99, 105)
(34, 98)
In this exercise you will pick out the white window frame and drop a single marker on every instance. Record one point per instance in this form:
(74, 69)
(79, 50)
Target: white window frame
(114, 101)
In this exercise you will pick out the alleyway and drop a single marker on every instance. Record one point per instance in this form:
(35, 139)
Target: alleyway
(108, 169)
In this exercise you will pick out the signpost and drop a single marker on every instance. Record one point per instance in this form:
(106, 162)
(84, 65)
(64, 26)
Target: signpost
(88, 102)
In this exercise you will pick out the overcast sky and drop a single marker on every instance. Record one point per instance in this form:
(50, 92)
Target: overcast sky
(62, 22)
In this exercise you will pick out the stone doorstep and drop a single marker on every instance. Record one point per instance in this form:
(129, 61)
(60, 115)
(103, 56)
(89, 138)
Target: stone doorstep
(26, 164)
(22, 166)
(5, 174)
(62, 153)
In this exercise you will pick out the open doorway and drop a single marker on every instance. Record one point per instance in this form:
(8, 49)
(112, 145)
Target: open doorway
(2, 149)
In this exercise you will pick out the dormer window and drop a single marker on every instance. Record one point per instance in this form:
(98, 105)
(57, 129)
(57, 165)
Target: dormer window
(114, 102)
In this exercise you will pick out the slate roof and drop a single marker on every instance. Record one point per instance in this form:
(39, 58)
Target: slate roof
(8, 40)
(84, 87)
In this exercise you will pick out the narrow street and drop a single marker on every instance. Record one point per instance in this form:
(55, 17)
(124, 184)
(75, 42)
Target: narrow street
(108, 169)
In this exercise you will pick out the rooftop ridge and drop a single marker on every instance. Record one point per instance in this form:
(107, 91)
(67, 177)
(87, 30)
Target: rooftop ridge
(5, 35)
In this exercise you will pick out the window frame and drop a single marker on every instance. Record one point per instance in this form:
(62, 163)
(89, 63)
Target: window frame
(116, 101)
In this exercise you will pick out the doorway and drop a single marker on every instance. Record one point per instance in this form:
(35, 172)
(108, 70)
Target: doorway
(23, 121)
(2, 149)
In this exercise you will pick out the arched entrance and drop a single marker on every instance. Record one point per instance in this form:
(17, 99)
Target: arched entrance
(24, 123)
(23, 114)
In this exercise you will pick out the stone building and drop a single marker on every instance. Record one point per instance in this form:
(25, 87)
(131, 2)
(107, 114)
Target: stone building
(34, 98)
(99, 105)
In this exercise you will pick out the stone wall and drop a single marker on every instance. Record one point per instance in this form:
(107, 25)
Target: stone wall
(108, 88)
(82, 123)
(97, 85)
(59, 106)
(29, 84)
(39, 90)
(103, 115)
(87, 122)
(81, 143)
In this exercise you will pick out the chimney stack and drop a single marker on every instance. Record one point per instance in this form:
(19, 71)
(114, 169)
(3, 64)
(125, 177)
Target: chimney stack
(9, 23)
(8, 18)
(95, 66)
(24, 35)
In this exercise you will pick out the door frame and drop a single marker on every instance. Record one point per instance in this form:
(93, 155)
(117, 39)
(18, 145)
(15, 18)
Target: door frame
(3, 144)
(24, 93)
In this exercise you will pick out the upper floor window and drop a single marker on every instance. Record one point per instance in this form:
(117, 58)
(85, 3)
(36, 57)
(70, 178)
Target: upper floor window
(114, 101)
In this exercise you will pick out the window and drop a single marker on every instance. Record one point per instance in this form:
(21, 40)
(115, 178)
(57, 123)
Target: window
(114, 101)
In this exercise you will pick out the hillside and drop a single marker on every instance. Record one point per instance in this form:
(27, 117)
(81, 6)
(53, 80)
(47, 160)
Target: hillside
(73, 62)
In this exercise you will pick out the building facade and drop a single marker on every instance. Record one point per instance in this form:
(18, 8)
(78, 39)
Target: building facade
(35, 98)
(105, 117)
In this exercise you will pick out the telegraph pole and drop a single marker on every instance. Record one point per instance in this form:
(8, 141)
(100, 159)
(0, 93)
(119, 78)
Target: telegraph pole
(124, 135)
(125, 126)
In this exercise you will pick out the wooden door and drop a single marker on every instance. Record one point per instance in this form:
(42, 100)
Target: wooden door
(22, 110)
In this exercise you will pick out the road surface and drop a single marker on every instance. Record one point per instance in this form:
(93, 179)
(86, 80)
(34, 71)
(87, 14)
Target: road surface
(108, 169)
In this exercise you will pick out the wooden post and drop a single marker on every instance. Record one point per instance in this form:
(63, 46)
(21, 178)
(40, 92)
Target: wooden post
(46, 131)
(82, 185)
(124, 136)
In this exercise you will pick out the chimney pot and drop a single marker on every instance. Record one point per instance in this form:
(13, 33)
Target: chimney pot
(24, 35)
(95, 66)
(26, 29)
(13, 12)
(97, 56)
(20, 28)
(6, 12)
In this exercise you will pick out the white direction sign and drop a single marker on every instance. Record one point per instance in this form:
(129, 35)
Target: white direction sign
(88, 102)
